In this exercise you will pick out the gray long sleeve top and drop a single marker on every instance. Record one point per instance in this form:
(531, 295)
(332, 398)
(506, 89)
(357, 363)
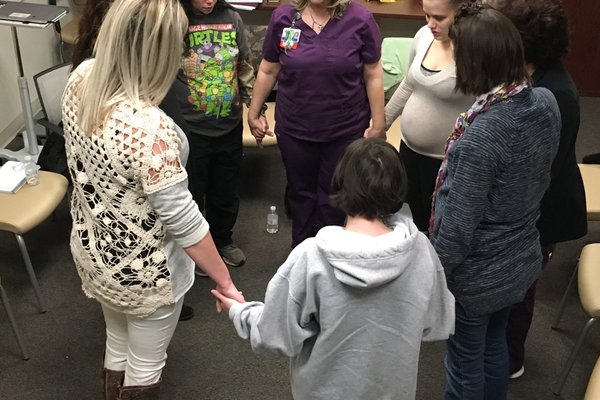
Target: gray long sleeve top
(487, 208)
(350, 310)
(184, 223)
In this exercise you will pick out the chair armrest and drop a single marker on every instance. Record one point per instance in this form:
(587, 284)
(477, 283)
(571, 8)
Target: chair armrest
(50, 126)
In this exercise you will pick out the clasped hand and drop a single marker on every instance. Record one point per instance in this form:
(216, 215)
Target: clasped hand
(259, 127)
(227, 296)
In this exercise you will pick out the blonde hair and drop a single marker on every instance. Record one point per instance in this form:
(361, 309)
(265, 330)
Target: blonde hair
(137, 54)
(338, 6)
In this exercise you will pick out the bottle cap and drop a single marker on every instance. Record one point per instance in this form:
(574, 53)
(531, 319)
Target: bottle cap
(273, 208)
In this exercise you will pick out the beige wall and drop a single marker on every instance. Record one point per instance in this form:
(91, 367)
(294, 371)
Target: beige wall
(390, 27)
(39, 50)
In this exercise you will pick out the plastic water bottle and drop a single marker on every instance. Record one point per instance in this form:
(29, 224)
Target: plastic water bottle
(272, 220)
(31, 171)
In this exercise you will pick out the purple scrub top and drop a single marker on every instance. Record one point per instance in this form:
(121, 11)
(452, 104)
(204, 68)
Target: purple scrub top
(321, 93)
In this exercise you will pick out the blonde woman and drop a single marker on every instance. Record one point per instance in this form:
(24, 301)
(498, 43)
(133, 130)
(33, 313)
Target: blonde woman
(136, 230)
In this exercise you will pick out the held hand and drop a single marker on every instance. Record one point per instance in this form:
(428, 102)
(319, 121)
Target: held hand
(230, 291)
(263, 120)
(374, 132)
(264, 123)
(223, 302)
(259, 127)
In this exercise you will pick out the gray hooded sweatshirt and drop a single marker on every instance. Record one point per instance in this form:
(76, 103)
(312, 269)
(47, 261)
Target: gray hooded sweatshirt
(350, 310)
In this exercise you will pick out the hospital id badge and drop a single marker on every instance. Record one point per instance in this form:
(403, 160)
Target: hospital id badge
(289, 38)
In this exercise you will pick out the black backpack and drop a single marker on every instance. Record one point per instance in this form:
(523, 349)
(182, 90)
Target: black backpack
(53, 156)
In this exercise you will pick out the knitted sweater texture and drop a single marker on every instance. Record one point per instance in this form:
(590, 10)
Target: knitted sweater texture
(487, 208)
(117, 239)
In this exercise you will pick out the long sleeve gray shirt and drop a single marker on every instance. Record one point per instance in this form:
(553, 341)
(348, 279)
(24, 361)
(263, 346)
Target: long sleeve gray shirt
(184, 223)
(350, 310)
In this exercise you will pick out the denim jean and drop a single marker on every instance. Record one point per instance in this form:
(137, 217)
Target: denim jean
(477, 357)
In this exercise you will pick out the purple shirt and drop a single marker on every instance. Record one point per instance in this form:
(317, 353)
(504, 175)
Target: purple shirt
(321, 93)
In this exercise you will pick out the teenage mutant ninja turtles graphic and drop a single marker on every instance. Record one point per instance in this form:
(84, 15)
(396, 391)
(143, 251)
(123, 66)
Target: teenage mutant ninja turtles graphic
(210, 69)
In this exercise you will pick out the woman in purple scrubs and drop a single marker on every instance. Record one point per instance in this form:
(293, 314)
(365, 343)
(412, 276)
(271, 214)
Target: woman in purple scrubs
(325, 56)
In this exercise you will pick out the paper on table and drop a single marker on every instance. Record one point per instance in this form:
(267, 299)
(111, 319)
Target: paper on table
(244, 7)
(12, 176)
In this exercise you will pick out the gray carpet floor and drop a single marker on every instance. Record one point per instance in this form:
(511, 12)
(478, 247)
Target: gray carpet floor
(206, 358)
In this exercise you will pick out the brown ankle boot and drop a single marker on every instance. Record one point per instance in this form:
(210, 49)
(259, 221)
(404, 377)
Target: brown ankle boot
(112, 383)
(149, 392)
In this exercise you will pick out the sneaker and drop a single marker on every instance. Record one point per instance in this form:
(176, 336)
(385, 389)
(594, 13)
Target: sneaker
(518, 374)
(187, 313)
(232, 255)
(199, 272)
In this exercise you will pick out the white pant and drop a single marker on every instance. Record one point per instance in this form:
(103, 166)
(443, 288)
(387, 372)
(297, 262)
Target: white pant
(137, 345)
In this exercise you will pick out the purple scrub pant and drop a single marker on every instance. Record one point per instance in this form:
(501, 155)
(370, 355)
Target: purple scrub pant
(309, 167)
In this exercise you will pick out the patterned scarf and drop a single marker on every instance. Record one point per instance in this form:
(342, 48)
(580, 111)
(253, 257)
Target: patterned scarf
(464, 120)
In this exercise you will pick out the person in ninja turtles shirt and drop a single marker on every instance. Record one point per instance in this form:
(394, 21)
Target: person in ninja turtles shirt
(214, 82)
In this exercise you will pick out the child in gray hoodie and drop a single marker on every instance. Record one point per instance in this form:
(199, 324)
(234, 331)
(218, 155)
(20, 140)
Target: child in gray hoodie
(351, 306)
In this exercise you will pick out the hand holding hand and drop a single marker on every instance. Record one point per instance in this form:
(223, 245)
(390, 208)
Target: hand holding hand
(259, 127)
(224, 302)
(374, 132)
(228, 291)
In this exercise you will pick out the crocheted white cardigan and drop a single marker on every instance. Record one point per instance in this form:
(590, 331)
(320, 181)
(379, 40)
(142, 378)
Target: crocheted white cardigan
(116, 238)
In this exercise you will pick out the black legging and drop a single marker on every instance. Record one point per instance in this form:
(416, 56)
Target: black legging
(421, 172)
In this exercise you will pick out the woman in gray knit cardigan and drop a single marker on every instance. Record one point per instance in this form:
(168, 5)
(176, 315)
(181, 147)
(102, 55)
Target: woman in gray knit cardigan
(487, 198)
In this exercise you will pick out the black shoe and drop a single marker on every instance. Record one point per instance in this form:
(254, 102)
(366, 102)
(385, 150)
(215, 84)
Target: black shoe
(187, 312)
(517, 374)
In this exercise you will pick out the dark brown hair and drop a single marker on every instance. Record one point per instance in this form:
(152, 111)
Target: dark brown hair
(543, 26)
(189, 10)
(454, 2)
(487, 49)
(370, 180)
(91, 18)
(187, 5)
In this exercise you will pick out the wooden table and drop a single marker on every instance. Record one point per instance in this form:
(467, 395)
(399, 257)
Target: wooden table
(400, 9)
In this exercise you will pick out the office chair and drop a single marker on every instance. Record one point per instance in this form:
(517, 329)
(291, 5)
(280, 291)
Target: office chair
(22, 211)
(588, 270)
(13, 322)
(587, 275)
(50, 85)
(593, 389)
